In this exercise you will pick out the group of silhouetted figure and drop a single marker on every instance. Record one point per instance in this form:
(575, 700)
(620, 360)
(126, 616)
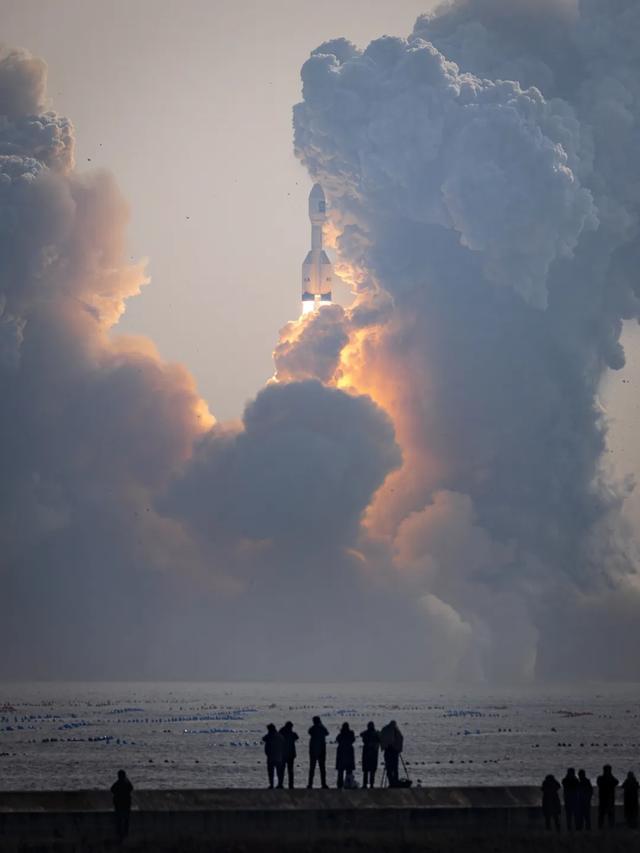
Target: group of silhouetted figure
(280, 749)
(577, 793)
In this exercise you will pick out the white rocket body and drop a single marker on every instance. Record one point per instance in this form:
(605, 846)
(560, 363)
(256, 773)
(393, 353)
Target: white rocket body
(317, 269)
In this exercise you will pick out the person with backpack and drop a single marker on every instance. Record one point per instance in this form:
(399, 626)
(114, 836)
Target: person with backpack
(392, 743)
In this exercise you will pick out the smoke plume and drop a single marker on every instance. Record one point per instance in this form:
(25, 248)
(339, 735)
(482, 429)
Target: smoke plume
(420, 491)
(492, 201)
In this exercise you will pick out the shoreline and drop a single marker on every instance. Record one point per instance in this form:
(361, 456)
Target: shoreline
(260, 821)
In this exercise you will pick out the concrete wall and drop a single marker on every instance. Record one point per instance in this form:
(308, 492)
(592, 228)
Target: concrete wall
(441, 819)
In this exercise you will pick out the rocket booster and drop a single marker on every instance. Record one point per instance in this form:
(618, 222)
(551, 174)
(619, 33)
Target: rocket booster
(317, 269)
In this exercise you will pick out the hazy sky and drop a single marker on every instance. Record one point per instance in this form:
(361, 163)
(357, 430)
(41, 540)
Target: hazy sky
(163, 94)
(189, 104)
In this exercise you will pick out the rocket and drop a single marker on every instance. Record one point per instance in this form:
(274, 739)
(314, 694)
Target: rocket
(317, 269)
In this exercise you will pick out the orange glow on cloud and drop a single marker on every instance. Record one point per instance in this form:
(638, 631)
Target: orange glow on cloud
(330, 234)
(367, 366)
(290, 333)
(144, 349)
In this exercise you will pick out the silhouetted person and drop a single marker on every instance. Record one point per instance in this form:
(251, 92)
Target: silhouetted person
(370, 750)
(630, 787)
(345, 755)
(551, 807)
(318, 752)
(290, 738)
(570, 786)
(392, 743)
(585, 793)
(607, 784)
(121, 791)
(274, 749)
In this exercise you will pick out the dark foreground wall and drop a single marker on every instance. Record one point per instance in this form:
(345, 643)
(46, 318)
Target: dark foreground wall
(440, 820)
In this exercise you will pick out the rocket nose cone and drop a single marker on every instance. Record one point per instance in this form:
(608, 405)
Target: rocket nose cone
(316, 194)
(317, 205)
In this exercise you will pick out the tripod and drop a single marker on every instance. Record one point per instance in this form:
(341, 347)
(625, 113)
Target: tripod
(404, 766)
(384, 782)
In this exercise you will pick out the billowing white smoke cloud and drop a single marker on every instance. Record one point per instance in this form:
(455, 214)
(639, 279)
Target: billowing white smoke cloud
(484, 182)
(303, 468)
(135, 538)
(485, 166)
(91, 427)
(494, 164)
(312, 352)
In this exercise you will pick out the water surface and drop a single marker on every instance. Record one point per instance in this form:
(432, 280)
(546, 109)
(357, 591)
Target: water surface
(167, 735)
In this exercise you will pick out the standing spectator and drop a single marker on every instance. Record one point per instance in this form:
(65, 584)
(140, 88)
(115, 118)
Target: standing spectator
(607, 784)
(570, 786)
(274, 750)
(585, 793)
(345, 756)
(318, 752)
(551, 801)
(121, 791)
(392, 743)
(290, 738)
(630, 787)
(370, 751)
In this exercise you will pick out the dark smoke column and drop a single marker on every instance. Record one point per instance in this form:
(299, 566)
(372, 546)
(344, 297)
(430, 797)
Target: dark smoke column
(317, 269)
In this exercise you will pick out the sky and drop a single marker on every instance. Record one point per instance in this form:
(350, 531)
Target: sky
(208, 485)
(224, 229)
(189, 105)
